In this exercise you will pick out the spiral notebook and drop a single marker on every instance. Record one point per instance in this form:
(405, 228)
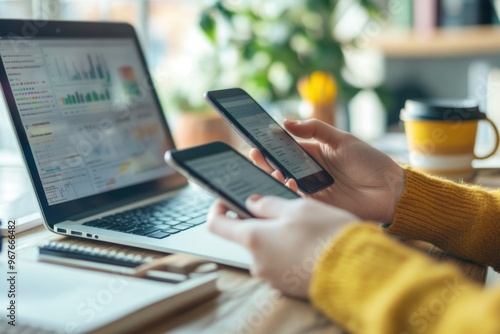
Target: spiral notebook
(63, 299)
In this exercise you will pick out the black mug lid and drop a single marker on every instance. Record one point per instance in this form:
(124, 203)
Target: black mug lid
(441, 110)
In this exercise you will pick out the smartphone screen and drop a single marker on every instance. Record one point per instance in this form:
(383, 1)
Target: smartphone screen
(263, 132)
(227, 174)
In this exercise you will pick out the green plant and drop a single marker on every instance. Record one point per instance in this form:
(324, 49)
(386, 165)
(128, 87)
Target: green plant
(269, 45)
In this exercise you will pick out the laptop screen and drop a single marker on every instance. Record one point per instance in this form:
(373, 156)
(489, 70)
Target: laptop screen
(88, 112)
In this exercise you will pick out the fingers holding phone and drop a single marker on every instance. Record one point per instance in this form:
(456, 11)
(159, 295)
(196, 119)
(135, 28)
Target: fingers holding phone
(260, 161)
(261, 131)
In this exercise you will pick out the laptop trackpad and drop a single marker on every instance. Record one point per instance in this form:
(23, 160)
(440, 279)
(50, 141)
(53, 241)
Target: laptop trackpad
(199, 241)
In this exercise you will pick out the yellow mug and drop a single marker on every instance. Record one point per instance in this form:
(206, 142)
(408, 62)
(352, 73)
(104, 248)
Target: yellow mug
(441, 136)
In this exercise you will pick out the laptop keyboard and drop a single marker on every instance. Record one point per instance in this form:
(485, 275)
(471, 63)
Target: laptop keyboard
(160, 219)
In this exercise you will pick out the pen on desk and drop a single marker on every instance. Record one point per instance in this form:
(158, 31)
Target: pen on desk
(179, 264)
(172, 268)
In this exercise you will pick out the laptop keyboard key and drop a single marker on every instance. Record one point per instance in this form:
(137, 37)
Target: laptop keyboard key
(181, 227)
(130, 229)
(171, 231)
(123, 227)
(145, 231)
(198, 221)
(93, 222)
(158, 235)
(168, 221)
(107, 225)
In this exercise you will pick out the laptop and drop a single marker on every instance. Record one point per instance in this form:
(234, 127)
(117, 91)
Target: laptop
(93, 136)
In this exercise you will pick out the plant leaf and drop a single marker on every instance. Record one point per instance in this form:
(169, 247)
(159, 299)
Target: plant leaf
(208, 26)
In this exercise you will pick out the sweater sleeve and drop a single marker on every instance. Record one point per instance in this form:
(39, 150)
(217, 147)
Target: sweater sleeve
(369, 283)
(461, 219)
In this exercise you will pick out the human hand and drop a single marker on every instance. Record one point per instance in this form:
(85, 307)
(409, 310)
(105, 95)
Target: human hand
(368, 183)
(285, 240)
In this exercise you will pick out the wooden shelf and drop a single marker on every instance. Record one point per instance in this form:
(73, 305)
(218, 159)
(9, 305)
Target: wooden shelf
(439, 43)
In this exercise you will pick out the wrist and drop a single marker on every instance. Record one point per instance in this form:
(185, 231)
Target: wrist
(397, 188)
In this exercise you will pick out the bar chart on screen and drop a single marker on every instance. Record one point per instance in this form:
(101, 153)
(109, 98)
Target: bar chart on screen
(79, 67)
(86, 114)
(84, 100)
(85, 97)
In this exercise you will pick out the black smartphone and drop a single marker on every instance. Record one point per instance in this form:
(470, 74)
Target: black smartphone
(227, 174)
(260, 130)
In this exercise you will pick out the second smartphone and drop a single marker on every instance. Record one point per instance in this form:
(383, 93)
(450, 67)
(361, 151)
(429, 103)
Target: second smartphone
(260, 130)
(227, 174)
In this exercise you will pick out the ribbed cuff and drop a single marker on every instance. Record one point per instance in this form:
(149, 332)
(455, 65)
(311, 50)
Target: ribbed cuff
(458, 218)
(432, 209)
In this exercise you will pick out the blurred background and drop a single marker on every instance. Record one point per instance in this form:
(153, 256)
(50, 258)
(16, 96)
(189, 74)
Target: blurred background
(368, 55)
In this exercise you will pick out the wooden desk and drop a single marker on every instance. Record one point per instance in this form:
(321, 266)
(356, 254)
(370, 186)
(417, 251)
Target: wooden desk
(248, 305)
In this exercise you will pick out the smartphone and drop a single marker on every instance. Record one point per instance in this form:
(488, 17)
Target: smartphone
(227, 174)
(260, 130)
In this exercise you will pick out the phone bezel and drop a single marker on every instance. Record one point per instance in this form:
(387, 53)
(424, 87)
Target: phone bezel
(177, 160)
(308, 184)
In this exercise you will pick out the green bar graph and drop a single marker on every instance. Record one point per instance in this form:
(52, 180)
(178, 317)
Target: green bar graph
(88, 67)
(90, 97)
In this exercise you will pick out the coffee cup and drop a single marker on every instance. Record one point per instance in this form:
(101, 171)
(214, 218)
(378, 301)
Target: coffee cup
(441, 136)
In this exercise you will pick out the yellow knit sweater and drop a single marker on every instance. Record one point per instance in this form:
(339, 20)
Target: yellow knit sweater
(370, 283)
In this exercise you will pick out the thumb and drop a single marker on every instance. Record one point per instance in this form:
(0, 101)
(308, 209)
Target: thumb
(316, 129)
(267, 206)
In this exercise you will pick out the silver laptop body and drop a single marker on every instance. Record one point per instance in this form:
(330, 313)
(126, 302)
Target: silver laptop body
(93, 135)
